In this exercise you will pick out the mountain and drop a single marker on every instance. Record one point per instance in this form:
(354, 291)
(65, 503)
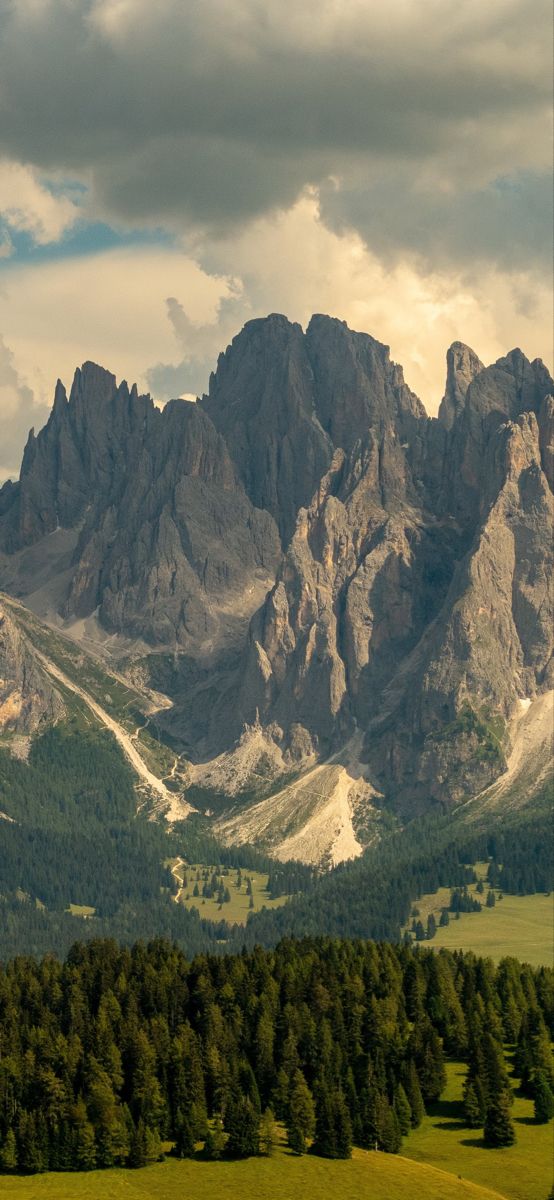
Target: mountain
(348, 603)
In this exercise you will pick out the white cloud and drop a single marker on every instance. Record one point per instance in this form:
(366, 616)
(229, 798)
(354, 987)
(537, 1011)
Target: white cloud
(109, 307)
(18, 412)
(29, 206)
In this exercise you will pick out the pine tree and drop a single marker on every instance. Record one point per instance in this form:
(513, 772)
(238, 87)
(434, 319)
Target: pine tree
(268, 1134)
(214, 1145)
(403, 1110)
(300, 1118)
(184, 1138)
(242, 1124)
(413, 1092)
(491, 898)
(8, 1153)
(137, 1149)
(325, 1141)
(473, 1114)
(544, 1099)
(343, 1127)
(391, 1137)
(499, 1128)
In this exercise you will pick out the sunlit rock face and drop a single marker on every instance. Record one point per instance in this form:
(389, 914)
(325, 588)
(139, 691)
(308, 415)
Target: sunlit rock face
(321, 557)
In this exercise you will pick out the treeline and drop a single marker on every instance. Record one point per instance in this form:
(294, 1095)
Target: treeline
(108, 1055)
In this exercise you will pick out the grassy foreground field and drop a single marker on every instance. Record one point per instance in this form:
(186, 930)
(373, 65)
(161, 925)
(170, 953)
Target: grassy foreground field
(521, 1172)
(367, 1176)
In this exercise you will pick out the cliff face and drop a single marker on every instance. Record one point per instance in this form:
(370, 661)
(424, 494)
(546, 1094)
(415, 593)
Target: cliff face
(166, 539)
(28, 698)
(323, 557)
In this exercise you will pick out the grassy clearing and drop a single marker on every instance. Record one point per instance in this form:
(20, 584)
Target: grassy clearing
(521, 926)
(80, 910)
(283, 1177)
(517, 926)
(235, 910)
(521, 1172)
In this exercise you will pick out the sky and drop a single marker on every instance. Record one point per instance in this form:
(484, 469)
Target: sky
(169, 171)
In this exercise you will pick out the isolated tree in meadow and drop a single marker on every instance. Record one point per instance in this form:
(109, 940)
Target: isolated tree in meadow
(499, 1127)
(431, 926)
(491, 898)
(444, 917)
(544, 1099)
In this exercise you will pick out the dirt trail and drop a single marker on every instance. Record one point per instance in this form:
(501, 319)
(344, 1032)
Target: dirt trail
(125, 740)
(178, 878)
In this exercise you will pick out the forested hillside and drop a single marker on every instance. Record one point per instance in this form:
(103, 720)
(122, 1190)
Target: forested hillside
(72, 837)
(104, 1057)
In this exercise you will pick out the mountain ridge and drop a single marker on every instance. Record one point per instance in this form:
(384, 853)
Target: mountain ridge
(306, 552)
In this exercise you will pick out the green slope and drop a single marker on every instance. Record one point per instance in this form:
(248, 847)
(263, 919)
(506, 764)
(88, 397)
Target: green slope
(368, 1176)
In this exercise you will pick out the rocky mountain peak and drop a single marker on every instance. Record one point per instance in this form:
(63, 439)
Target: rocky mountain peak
(462, 365)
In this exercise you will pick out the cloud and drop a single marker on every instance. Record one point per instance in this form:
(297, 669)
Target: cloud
(209, 116)
(19, 413)
(108, 307)
(29, 206)
(159, 318)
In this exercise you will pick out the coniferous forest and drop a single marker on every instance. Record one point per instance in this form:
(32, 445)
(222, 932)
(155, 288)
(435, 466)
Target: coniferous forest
(116, 1051)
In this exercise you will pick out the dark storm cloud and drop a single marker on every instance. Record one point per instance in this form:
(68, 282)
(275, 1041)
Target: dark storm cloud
(205, 115)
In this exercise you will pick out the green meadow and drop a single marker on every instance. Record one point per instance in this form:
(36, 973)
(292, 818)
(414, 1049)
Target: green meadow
(520, 1172)
(518, 926)
(367, 1176)
(235, 910)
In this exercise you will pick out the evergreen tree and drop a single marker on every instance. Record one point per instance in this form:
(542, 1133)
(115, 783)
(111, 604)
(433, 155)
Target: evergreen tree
(403, 1110)
(491, 898)
(185, 1146)
(343, 1127)
(214, 1145)
(138, 1149)
(473, 1114)
(499, 1128)
(268, 1133)
(242, 1126)
(8, 1153)
(301, 1119)
(413, 1092)
(325, 1141)
(544, 1099)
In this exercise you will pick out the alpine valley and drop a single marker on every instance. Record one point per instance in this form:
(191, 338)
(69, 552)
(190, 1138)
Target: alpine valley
(298, 628)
